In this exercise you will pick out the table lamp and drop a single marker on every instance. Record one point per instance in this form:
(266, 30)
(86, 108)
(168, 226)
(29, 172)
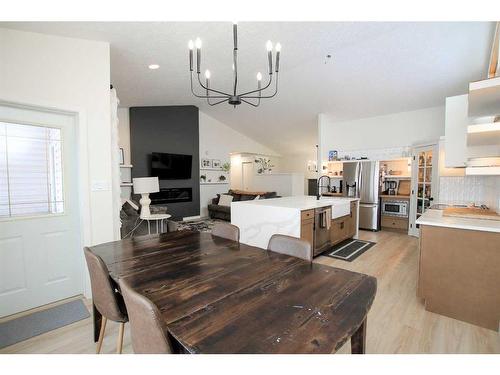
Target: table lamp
(144, 186)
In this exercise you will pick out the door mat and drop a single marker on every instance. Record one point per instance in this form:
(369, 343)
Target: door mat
(349, 250)
(25, 327)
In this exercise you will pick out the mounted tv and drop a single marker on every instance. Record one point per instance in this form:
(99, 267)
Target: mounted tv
(171, 166)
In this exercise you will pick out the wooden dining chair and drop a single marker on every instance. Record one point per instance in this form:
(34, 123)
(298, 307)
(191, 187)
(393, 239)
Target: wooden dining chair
(147, 327)
(289, 245)
(105, 298)
(226, 230)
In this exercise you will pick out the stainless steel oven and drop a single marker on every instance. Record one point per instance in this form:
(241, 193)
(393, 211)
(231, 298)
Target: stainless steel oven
(395, 208)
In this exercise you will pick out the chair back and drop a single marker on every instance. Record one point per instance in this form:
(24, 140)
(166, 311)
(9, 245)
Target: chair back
(292, 246)
(104, 297)
(226, 230)
(148, 329)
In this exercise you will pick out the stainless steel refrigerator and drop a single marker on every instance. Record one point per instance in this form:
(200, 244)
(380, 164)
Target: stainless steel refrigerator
(361, 180)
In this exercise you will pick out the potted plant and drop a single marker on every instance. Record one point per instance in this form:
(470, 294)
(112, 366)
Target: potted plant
(203, 178)
(226, 167)
(222, 178)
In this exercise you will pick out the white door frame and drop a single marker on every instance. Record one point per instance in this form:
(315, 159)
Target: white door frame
(83, 191)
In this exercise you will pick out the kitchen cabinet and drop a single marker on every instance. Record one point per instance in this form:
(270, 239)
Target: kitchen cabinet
(456, 122)
(344, 227)
(458, 273)
(394, 222)
(307, 226)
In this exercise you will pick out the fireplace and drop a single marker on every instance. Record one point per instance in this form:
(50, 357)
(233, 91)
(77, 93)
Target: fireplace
(172, 195)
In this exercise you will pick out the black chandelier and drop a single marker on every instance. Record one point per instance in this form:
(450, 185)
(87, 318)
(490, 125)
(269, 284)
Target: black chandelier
(234, 98)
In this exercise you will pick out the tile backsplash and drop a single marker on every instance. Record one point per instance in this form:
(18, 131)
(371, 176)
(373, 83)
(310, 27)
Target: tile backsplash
(470, 189)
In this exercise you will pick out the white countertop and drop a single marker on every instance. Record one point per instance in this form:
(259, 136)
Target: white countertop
(436, 218)
(300, 202)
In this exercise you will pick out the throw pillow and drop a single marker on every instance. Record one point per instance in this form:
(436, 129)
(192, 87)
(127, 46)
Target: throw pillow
(225, 200)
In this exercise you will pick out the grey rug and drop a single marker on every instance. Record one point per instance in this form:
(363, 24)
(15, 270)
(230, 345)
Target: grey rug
(25, 327)
(205, 225)
(349, 250)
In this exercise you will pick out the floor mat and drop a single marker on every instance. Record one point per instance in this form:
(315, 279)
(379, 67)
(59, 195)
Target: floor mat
(349, 250)
(25, 327)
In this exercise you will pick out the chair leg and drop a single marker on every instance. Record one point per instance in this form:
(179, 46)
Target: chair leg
(101, 334)
(119, 344)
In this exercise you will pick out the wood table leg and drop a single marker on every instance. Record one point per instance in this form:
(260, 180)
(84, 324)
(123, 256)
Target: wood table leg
(119, 344)
(358, 340)
(97, 322)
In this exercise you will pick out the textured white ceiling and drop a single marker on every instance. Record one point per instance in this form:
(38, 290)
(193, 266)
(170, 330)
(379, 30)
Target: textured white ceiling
(376, 68)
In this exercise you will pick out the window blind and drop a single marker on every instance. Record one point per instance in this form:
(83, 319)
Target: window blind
(31, 172)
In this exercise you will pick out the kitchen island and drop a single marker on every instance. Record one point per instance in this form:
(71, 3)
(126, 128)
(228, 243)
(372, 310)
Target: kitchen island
(459, 267)
(297, 216)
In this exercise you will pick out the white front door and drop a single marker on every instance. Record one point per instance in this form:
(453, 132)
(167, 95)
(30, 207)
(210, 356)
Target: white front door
(40, 252)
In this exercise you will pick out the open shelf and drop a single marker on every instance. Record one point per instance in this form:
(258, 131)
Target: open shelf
(122, 184)
(214, 183)
(126, 165)
(483, 134)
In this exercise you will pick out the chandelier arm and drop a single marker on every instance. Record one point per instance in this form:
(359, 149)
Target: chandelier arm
(203, 96)
(258, 90)
(252, 104)
(209, 89)
(264, 97)
(220, 101)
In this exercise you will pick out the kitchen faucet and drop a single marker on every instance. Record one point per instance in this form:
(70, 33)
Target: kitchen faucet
(318, 192)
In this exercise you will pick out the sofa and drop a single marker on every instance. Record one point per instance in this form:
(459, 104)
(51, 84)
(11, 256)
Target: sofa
(216, 211)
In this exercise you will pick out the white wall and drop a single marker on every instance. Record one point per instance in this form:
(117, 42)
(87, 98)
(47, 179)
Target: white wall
(71, 75)
(124, 132)
(217, 141)
(381, 132)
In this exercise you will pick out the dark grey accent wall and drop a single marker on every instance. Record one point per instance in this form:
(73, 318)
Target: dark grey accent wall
(172, 129)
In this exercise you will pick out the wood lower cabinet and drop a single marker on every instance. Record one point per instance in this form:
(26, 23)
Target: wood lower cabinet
(459, 274)
(344, 227)
(394, 222)
(307, 226)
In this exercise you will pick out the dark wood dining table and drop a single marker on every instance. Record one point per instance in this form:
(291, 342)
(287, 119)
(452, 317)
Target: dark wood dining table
(220, 296)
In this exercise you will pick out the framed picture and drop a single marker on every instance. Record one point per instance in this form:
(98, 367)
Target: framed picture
(332, 155)
(206, 163)
(216, 164)
(122, 156)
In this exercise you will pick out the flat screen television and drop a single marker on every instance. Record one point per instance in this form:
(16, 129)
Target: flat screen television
(171, 166)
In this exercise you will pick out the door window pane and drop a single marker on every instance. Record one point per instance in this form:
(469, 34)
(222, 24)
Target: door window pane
(30, 170)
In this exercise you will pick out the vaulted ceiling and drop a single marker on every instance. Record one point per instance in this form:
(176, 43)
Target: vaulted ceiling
(376, 68)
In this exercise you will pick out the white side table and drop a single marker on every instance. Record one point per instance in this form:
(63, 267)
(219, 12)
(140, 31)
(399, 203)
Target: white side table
(158, 218)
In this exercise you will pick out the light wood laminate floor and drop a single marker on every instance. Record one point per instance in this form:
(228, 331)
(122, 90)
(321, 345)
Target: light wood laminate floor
(397, 322)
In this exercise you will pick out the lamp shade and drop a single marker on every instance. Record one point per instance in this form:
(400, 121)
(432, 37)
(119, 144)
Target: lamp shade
(144, 185)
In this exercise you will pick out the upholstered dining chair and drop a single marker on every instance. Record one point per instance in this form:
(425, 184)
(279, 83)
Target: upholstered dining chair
(147, 327)
(289, 245)
(226, 230)
(106, 300)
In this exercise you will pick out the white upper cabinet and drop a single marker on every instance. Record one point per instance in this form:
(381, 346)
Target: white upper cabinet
(456, 122)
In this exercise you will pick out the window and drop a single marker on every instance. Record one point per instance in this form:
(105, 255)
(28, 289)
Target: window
(31, 176)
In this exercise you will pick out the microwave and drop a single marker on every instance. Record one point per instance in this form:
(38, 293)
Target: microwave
(395, 208)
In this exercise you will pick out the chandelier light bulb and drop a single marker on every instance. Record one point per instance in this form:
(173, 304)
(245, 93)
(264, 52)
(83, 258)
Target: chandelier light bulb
(198, 43)
(207, 74)
(269, 46)
(259, 76)
(235, 22)
(278, 47)
(190, 45)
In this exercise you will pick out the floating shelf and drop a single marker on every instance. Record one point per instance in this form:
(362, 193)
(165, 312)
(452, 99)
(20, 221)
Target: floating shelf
(213, 169)
(122, 184)
(126, 165)
(397, 177)
(214, 183)
(483, 134)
